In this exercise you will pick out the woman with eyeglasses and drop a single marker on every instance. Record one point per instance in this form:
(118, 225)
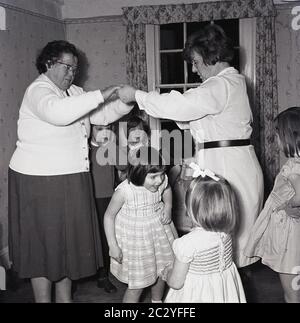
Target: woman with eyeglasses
(53, 228)
(219, 117)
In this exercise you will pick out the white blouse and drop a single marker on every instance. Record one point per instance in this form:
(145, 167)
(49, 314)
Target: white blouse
(53, 128)
(216, 110)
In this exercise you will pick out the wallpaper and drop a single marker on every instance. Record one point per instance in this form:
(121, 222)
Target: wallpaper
(288, 60)
(25, 35)
(103, 44)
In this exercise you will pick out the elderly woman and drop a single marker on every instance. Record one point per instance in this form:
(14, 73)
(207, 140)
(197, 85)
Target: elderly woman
(53, 228)
(219, 117)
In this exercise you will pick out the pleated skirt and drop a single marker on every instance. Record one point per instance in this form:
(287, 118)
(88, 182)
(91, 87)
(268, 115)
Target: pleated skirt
(53, 226)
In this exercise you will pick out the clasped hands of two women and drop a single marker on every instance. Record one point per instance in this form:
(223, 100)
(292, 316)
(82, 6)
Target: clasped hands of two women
(125, 93)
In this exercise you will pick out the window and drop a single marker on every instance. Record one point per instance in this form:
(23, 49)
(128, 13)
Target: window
(167, 70)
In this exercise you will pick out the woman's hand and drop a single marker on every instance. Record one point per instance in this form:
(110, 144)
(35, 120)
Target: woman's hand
(127, 93)
(109, 91)
(116, 253)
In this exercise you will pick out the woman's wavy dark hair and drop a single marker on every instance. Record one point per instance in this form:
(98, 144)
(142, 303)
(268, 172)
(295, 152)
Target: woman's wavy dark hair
(287, 125)
(211, 43)
(52, 52)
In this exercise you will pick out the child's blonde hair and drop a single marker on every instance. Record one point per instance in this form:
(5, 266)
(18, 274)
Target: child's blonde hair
(287, 125)
(212, 204)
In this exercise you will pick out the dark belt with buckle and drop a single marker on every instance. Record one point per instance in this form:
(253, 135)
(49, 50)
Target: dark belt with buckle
(225, 143)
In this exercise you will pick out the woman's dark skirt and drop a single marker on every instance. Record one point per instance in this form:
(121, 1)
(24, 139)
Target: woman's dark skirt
(53, 226)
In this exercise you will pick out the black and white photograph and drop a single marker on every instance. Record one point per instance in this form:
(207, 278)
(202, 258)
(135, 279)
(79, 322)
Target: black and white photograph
(149, 154)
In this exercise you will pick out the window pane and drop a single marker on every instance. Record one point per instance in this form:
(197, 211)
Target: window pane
(195, 26)
(167, 90)
(171, 65)
(171, 36)
(231, 28)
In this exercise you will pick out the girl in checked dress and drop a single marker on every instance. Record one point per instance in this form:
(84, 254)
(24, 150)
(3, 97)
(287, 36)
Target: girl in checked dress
(138, 226)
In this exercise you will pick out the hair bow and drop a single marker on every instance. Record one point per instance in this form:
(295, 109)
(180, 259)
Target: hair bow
(203, 172)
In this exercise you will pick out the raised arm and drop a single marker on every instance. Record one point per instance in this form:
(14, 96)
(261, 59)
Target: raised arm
(109, 112)
(48, 106)
(209, 98)
(112, 210)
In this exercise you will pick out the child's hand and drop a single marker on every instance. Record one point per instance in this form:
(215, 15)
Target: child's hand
(166, 215)
(116, 253)
(165, 272)
(293, 212)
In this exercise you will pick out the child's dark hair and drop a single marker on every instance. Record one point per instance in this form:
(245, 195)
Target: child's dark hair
(144, 161)
(212, 205)
(287, 124)
(137, 122)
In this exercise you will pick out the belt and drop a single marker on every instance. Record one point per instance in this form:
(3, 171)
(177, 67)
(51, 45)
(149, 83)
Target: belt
(225, 143)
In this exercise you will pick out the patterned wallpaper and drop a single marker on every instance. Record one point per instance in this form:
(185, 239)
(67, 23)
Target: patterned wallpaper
(103, 43)
(25, 35)
(288, 60)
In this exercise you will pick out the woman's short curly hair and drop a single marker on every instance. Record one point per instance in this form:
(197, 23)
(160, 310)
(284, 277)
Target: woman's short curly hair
(211, 43)
(52, 52)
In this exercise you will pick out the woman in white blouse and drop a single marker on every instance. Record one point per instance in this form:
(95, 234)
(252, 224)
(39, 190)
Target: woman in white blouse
(219, 117)
(53, 228)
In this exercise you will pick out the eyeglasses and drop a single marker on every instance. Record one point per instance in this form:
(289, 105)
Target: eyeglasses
(69, 68)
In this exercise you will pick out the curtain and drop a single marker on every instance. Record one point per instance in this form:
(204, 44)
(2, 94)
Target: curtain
(266, 106)
(136, 56)
(266, 99)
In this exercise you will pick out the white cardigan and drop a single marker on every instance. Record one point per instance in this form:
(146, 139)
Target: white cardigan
(53, 128)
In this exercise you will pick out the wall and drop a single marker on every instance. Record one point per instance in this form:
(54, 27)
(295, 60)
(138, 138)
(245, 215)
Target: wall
(25, 35)
(95, 8)
(104, 48)
(288, 60)
(49, 8)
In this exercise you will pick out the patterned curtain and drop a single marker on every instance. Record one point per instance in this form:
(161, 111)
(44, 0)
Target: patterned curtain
(266, 88)
(266, 106)
(136, 56)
